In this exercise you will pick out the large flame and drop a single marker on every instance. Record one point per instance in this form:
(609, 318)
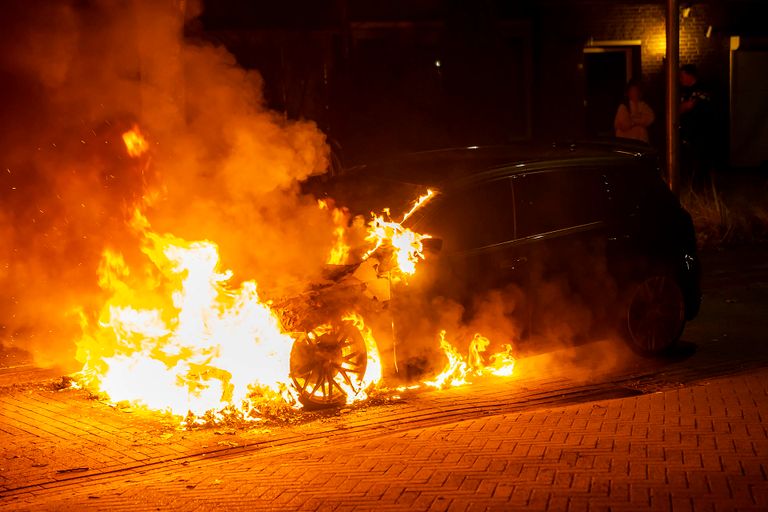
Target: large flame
(176, 337)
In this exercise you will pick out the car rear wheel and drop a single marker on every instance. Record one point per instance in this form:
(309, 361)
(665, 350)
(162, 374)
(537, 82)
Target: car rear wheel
(328, 363)
(655, 316)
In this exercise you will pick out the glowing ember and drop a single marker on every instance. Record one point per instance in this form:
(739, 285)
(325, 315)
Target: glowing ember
(459, 369)
(135, 143)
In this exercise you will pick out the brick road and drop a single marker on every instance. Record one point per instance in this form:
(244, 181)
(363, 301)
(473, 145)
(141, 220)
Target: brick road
(702, 447)
(633, 435)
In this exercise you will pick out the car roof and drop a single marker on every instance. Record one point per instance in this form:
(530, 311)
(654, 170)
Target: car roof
(442, 167)
(396, 182)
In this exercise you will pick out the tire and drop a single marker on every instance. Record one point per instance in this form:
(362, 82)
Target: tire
(655, 315)
(327, 364)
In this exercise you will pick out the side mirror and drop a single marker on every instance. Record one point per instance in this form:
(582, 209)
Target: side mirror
(433, 245)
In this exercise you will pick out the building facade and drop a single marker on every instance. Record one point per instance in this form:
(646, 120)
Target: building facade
(382, 77)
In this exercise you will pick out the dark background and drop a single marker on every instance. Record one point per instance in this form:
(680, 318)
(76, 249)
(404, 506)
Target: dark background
(405, 75)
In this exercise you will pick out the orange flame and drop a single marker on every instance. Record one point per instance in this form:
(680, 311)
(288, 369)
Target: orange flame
(135, 142)
(373, 372)
(421, 201)
(175, 337)
(382, 232)
(339, 253)
(406, 244)
(458, 370)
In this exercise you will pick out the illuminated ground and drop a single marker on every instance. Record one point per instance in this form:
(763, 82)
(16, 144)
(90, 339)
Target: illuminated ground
(578, 430)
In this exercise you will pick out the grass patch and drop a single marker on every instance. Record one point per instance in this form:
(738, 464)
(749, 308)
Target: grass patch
(730, 217)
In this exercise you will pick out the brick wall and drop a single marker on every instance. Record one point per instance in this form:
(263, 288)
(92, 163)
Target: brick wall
(643, 22)
(646, 22)
(565, 28)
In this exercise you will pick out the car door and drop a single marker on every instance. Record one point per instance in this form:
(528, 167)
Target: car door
(561, 233)
(642, 213)
(477, 227)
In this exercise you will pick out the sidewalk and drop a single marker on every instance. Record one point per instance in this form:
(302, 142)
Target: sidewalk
(702, 447)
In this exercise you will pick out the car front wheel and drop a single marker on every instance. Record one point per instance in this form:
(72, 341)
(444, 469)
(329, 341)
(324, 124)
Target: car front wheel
(328, 364)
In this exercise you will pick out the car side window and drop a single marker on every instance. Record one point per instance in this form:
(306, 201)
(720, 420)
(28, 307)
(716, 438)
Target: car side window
(473, 217)
(552, 200)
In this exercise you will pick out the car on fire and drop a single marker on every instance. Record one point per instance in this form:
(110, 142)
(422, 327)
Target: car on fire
(592, 220)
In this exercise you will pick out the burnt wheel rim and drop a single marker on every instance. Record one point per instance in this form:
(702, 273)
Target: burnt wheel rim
(656, 314)
(328, 364)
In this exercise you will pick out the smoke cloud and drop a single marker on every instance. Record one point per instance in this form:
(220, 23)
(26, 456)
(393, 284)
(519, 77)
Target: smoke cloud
(221, 166)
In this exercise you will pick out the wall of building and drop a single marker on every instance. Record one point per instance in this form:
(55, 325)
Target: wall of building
(565, 28)
(326, 75)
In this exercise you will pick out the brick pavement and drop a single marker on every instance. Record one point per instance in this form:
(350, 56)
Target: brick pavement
(48, 435)
(514, 444)
(701, 447)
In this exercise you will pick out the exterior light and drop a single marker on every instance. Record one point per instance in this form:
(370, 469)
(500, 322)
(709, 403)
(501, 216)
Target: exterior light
(438, 63)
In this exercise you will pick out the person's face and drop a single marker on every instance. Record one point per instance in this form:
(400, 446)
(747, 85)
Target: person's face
(686, 79)
(634, 93)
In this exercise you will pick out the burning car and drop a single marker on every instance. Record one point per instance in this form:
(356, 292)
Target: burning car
(177, 335)
(595, 218)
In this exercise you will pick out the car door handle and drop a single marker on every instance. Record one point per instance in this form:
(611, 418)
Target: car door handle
(513, 263)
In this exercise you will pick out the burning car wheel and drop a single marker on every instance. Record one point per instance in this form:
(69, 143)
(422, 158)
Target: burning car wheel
(328, 364)
(656, 315)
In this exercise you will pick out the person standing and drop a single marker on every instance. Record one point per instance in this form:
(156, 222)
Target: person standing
(696, 129)
(634, 116)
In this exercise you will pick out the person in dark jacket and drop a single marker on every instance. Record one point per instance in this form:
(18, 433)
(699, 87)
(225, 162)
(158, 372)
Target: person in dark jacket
(696, 129)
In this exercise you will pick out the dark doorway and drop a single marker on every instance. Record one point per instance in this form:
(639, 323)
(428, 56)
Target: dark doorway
(606, 70)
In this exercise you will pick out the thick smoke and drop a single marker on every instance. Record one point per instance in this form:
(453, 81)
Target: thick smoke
(560, 324)
(74, 76)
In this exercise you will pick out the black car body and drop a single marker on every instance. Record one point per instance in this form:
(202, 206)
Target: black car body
(594, 221)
